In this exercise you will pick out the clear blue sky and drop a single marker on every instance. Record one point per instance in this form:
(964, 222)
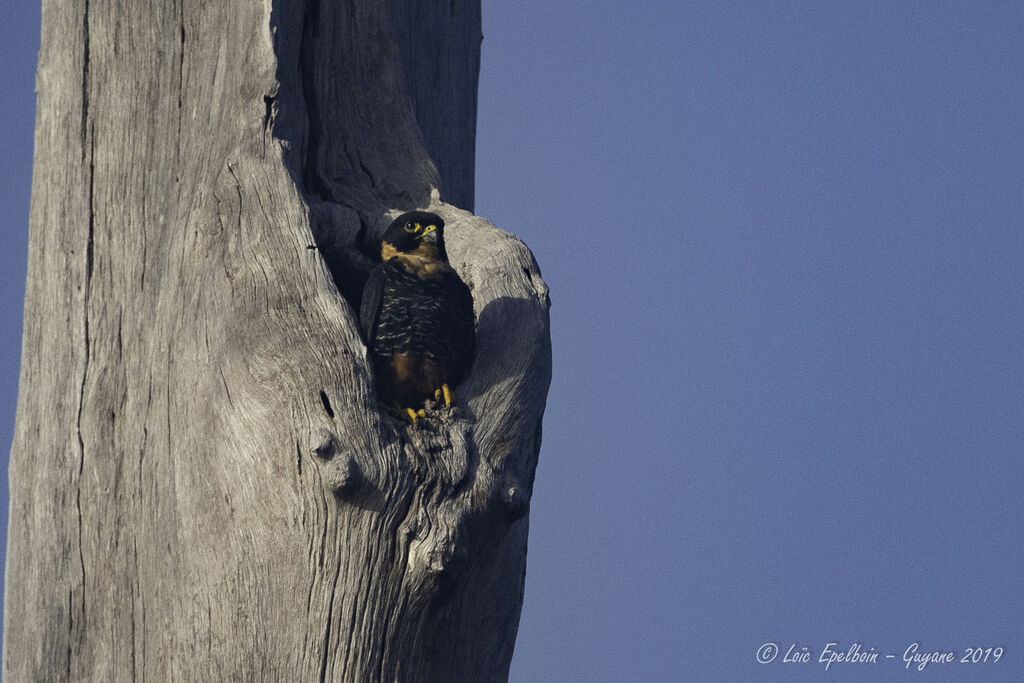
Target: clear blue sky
(785, 245)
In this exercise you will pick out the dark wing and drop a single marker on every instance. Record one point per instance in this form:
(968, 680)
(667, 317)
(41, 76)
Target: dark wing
(462, 329)
(369, 307)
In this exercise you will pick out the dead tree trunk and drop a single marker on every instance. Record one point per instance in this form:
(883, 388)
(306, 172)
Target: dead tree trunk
(202, 485)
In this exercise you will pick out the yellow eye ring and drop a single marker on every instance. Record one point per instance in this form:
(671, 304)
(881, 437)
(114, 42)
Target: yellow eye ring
(410, 227)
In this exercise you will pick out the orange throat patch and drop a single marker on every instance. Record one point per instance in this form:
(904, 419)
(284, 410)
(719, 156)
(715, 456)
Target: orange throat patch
(423, 261)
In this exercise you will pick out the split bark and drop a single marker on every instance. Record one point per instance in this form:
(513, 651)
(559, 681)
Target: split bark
(202, 485)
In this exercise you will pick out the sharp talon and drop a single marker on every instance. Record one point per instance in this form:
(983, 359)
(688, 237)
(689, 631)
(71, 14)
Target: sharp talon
(421, 412)
(437, 395)
(412, 415)
(449, 395)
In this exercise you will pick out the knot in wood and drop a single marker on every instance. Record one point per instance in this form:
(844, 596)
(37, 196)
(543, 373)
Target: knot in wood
(345, 476)
(327, 444)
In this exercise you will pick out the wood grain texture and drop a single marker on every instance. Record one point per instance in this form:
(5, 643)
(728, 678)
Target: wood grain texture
(202, 485)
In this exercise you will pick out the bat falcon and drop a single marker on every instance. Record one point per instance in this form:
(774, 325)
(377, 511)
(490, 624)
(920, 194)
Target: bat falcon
(417, 316)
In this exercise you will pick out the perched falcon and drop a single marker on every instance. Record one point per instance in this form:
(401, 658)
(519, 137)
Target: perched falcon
(417, 316)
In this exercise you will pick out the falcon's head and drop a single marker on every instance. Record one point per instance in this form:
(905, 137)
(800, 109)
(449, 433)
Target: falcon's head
(416, 233)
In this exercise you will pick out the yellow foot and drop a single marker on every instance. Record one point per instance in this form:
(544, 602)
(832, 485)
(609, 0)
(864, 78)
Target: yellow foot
(415, 414)
(446, 393)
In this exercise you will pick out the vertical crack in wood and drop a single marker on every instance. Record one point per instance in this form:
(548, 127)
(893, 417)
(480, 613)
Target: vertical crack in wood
(268, 114)
(135, 559)
(181, 117)
(88, 134)
(85, 75)
(181, 63)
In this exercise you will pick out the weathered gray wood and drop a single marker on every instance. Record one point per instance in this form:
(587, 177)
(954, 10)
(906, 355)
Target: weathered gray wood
(202, 487)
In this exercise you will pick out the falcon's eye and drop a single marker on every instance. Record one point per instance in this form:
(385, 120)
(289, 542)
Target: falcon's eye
(410, 227)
